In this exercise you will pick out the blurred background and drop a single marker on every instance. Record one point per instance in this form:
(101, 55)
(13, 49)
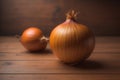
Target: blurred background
(102, 16)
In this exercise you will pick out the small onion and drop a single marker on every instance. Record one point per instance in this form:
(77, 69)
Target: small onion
(72, 42)
(33, 40)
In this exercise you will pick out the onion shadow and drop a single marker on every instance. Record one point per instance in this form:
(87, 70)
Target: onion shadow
(86, 65)
(45, 51)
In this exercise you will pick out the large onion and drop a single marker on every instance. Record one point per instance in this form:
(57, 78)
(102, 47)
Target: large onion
(33, 40)
(72, 42)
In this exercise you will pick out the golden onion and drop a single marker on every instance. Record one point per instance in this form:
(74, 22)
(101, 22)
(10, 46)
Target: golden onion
(72, 42)
(33, 39)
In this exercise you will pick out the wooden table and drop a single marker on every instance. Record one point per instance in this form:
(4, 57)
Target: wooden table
(18, 64)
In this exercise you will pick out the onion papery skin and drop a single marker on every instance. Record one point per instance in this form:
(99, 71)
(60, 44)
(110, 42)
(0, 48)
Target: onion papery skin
(32, 40)
(72, 42)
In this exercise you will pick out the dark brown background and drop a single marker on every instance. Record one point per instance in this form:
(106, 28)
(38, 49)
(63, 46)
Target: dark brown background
(102, 16)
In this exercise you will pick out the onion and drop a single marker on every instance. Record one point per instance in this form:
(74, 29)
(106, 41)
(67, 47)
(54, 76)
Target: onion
(72, 42)
(33, 40)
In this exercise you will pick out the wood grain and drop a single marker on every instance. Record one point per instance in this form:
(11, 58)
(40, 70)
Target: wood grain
(16, 63)
(50, 56)
(60, 77)
(103, 44)
(89, 66)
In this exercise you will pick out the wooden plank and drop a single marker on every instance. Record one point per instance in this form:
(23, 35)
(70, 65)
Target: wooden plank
(48, 55)
(99, 39)
(96, 50)
(102, 39)
(103, 44)
(55, 66)
(60, 77)
(107, 44)
(100, 47)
